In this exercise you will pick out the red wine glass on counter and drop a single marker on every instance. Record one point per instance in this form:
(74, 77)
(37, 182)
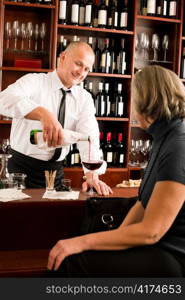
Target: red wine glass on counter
(92, 163)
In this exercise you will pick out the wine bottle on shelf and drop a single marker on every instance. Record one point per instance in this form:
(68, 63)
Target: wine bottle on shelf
(95, 15)
(108, 150)
(124, 16)
(90, 89)
(97, 52)
(172, 9)
(113, 15)
(119, 103)
(102, 15)
(75, 7)
(61, 47)
(143, 7)
(121, 58)
(99, 100)
(107, 100)
(119, 152)
(102, 140)
(62, 12)
(183, 63)
(82, 13)
(105, 58)
(151, 7)
(112, 68)
(161, 8)
(89, 13)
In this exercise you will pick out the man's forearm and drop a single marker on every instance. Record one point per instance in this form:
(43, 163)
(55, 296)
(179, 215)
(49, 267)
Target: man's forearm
(37, 113)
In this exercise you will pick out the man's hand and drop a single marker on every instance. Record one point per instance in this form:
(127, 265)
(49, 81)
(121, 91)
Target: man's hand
(93, 180)
(52, 129)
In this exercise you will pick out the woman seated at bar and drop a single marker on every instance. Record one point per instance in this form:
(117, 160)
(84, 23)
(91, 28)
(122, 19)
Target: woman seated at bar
(151, 240)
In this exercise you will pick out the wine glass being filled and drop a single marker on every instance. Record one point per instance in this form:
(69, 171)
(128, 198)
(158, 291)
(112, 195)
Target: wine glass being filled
(92, 162)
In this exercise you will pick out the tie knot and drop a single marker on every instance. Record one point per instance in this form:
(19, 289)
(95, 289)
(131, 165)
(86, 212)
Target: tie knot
(64, 92)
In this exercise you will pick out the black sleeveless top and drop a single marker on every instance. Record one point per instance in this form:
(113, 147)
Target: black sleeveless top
(167, 163)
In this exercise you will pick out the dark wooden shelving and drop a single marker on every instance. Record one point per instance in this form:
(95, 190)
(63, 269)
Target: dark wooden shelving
(158, 19)
(29, 5)
(112, 119)
(14, 69)
(5, 122)
(109, 75)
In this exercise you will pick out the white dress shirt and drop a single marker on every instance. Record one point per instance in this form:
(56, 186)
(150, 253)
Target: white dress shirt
(40, 89)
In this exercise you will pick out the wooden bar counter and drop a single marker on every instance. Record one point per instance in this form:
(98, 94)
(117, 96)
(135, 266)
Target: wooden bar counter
(29, 228)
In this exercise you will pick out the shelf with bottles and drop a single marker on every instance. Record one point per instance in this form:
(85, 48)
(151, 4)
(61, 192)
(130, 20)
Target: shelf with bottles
(32, 3)
(104, 31)
(159, 10)
(158, 19)
(27, 37)
(112, 56)
(95, 14)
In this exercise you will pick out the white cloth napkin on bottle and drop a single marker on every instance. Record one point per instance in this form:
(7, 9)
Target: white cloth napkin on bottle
(71, 195)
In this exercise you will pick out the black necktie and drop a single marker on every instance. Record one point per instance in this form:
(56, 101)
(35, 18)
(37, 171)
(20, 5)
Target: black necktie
(61, 118)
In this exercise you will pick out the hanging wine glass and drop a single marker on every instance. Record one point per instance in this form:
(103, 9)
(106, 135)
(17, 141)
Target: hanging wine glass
(15, 33)
(8, 34)
(29, 30)
(142, 43)
(36, 36)
(23, 36)
(155, 46)
(42, 35)
(165, 45)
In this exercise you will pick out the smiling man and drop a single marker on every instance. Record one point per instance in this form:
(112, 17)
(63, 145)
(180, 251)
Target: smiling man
(35, 101)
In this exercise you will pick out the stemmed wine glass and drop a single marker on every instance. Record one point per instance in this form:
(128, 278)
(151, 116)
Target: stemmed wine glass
(42, 35)
(29, 30)
(155, 45)
(23, 36)
(15, 33)
(165, 44)
(8, 34)
(92, 162)
(36, 35)
(142, 43)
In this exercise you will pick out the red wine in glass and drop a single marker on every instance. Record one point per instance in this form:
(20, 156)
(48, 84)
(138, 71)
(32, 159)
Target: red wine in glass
(92, 164)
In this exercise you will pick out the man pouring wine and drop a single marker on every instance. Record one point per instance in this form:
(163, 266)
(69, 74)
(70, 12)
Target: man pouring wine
(51, 102)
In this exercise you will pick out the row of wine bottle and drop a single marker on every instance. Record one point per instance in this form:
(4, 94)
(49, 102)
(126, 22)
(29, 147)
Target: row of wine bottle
(113, 152)
(110, 59)
(106, 14)
(108, 102)
(159, 8)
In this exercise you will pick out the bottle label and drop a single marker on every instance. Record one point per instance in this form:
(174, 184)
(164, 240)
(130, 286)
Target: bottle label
(173, 9)
(116, 19)
(76, 158)
(72, 159)
(120, 108)
(151, 6)
(164, 12)
(88, 14)
(108, 108)
(82, 15)
(62, 10)
(121, 158)
(75, 13)
(102, 106)
(103, 60)
(109, 157)
(102, 17)
(124, 19)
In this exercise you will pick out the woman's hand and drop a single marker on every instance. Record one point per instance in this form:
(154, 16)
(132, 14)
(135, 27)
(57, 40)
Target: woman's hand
(92, 179)
(64, 248)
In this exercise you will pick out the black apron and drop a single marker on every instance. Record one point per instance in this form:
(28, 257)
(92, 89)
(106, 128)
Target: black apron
(34, 169)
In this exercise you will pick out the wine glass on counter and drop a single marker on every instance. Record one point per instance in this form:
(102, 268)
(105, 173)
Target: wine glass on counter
(30, 32)
(92, 162)
(15, 33)
(42, 35)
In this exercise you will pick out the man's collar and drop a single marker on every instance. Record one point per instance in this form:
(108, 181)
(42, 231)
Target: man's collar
(57, 83)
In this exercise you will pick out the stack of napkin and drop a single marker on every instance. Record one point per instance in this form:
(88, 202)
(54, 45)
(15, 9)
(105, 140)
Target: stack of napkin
(12, 194)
